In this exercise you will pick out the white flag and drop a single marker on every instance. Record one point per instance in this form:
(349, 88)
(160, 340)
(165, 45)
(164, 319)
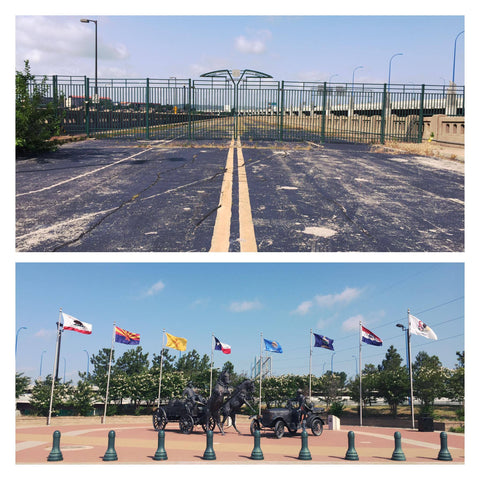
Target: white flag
(417, 327)
(72, 323)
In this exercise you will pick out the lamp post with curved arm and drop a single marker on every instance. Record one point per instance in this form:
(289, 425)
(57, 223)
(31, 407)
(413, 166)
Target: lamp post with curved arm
(390, 67)
(88, 20)
(455, 54)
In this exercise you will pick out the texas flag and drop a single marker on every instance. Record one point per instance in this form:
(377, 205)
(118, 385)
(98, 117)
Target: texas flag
(222, 346)
(370, 338)
(72, 323)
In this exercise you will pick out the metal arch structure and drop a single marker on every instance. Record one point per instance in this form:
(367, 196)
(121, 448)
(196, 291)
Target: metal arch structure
(236, 77)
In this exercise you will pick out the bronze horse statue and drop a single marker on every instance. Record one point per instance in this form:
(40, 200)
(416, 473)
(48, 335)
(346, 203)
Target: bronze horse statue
(215, 402)
(232, 406)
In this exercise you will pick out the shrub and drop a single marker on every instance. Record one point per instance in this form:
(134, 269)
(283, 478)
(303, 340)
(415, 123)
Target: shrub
(35, 117)
(336, 408)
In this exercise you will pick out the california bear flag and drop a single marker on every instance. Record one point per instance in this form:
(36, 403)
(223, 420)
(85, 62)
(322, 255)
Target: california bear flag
(72, 323)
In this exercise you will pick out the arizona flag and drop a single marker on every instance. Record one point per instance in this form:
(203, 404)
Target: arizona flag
(417, 327)
(72, 323)
(222, 346)
(370, 338)
(323, 342)
(126, 337)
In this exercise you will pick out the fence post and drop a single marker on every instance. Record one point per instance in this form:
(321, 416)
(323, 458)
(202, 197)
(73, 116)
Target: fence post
(189, 109)
(324, 111)
(282, 100)
(87, 107)
(147, 105)
(55, 95)
(384, 111)
(420, 116)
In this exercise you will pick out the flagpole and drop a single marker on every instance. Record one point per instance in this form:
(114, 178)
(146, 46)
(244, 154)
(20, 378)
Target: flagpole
(55, 367)
(161, 367)
(211, 366)
(310, 371)
(410, 369)
(360, 373)
(108, 375)
(260, 389)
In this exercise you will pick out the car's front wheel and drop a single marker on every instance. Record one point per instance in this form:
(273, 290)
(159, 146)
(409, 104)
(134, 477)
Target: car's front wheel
(254, 425)
(317, 427)
(279, 428)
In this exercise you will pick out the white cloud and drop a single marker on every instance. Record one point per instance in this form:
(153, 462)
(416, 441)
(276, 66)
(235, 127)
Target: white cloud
(348, 295)
(345, 297)
(352, 323)
(45, 333)
(256, 44)
(155, 288)
(245, 306)
(304, 307)
(57, 45)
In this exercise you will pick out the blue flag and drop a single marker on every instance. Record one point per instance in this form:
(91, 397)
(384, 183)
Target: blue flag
(323, 342)
(272, 346)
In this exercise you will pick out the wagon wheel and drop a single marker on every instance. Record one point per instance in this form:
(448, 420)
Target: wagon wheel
(279, 428)
(317, 427)
(160, 419)
(254, 425)
(186, 424)
(209, 424)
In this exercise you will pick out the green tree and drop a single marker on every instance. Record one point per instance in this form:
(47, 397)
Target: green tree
(21, 384)
(393, 381)
(132, 362)
(40, 399)
(332, 385)
(429, 380)
(35, 118)
(456, 383)
(369, 385)
(100, 369)
(83, 396)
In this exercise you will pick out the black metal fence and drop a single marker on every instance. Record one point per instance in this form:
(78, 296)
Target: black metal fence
(253, 109)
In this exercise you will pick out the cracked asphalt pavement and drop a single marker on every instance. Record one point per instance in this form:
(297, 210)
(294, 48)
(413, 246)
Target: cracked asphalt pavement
(164, 196)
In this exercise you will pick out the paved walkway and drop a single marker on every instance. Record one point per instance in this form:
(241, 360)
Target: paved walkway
(137, 444)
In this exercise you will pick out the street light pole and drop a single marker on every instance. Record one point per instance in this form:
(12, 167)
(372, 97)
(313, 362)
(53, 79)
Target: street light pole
(41, 361)
(409, 363)
(16, 337)
(455, 54)
(87, 20)
(88, 360)
(390, 67)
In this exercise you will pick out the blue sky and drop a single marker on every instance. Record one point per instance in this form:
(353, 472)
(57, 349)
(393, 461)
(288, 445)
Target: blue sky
(237, 302)
(316, 47)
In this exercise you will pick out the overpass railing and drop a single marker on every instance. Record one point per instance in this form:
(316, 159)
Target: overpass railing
(256, 109)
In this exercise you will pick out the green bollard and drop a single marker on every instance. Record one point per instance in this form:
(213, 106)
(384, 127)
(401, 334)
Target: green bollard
(304, 452)
(55, 454)
(110, 454)
(444, 454)
(398, 452)
(161, 454)
(351, 452)
(257, 453)
(209, 454)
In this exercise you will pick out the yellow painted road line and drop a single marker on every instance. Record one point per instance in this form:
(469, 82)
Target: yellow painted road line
(221, 230)
(247, 231)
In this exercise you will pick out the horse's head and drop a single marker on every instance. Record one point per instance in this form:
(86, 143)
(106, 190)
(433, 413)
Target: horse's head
(225, 378)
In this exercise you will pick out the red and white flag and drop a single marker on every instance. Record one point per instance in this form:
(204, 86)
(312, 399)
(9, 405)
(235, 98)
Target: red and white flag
(72, 323)
(222, 346)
